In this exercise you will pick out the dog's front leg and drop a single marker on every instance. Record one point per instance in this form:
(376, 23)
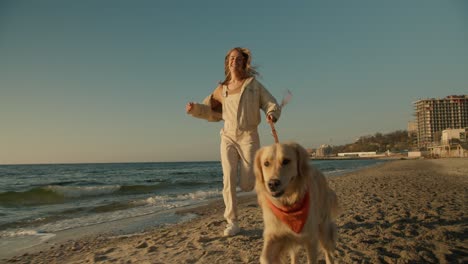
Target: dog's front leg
(293, 254)
(312, 249)
(271, 252)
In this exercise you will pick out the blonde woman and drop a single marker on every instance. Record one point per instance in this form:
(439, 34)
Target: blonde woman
(237, 100)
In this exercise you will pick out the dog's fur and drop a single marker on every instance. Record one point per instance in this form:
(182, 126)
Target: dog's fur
(287, 165)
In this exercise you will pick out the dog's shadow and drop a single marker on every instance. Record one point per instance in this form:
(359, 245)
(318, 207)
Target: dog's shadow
(247, 235)
(252, 234)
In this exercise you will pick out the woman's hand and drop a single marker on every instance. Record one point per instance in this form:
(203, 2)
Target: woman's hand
(189, 107)
(271, 119)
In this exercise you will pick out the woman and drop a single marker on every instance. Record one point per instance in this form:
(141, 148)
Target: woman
(237, 101)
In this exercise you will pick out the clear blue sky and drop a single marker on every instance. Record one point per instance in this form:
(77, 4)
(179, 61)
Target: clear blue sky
(107, 81)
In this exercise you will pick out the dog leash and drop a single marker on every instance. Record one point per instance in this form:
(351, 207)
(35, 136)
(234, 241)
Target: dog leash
(273, 131)
(286, 98)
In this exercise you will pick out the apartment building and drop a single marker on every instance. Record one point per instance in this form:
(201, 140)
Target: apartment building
(435, 115)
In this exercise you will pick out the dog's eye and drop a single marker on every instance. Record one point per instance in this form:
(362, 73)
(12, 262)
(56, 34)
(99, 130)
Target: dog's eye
(286, 161)
(266, 163)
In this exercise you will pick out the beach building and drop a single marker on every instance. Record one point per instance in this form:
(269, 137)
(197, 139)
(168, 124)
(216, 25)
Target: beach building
(361, 154)
(448, 151)
(311, 152)
(451, 136)
(435, 115)
(453, 143)
(324, 151)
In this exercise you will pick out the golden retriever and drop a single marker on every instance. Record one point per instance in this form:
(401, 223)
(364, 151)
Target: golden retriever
(297, 204)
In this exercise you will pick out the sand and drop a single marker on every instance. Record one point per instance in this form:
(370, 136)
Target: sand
(405, 211)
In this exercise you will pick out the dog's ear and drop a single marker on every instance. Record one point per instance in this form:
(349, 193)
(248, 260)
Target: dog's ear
(258, 166)
(302, 160)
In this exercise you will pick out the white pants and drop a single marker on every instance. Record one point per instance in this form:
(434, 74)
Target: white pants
(237, 158)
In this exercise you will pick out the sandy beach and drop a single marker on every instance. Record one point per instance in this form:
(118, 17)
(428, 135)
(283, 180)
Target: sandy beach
(404, 211)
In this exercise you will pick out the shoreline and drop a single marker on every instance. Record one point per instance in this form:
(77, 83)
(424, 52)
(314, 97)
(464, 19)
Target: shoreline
(388, 158)
(405, 210)
(128, 226)
(11, 247)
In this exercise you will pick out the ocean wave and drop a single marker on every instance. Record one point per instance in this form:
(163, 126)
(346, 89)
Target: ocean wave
(63, 183)
(170, 201)
(201, 195)
(137, 189)
(86, 191)
(194, 183)
(25, 232)
(115, 206)
(105, 213)
(83, 191)
(34, 196)
(18, 232)
(180, 173)
(56, 194)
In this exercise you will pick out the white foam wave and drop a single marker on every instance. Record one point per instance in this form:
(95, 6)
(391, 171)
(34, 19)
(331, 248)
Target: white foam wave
(163, 201)
(201, 195)
(336, 172)
(181, 199)
(24, 232)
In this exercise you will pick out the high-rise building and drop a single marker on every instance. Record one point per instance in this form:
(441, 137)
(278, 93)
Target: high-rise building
(434, 115)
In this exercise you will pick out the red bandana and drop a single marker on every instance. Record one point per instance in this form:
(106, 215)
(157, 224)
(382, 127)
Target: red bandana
(295, 216)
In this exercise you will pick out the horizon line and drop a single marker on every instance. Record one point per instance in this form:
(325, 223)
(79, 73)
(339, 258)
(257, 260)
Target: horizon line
(111, 162)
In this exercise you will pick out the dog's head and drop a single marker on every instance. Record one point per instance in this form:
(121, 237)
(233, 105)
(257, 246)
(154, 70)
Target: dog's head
(281, 169)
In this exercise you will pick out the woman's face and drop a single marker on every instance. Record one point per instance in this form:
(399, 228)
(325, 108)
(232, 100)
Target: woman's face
(235, 61)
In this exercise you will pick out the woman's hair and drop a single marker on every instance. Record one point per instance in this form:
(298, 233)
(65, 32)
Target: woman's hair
(248, 69)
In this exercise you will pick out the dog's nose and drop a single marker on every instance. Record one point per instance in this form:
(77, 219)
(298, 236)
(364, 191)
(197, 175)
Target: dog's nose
(274, 184)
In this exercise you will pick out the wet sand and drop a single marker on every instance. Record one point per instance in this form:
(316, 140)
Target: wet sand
(405, 211)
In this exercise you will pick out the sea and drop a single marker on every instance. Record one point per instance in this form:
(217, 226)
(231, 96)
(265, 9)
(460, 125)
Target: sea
(46, 199)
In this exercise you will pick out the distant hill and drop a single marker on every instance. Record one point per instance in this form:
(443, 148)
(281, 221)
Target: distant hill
(394, 141)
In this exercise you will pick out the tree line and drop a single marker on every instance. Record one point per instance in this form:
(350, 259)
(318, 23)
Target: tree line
(394, 141)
